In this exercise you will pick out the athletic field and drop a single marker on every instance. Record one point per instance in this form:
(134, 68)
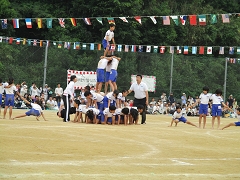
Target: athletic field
(39, 150)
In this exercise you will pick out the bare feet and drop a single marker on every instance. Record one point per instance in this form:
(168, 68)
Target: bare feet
(11, 118)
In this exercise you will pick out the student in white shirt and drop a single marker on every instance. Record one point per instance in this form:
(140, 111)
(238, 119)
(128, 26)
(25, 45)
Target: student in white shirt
(107, 74)
(68, 96)
(109, 115)
(59, 93)
(111, 99)
(36, 109)
(92, 115)
(78, 114)
(217, 101)
(109, 36)
(113, 74)
(10, 89)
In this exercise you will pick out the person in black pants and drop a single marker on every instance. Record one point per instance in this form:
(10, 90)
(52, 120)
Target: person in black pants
(140, 95)
(68, 97)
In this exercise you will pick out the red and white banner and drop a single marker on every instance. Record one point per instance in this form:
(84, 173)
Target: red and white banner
(84, 78)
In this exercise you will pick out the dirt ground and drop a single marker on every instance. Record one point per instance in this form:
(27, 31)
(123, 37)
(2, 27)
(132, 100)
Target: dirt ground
(53, 149)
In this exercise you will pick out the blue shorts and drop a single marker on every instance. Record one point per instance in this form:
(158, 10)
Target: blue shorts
(9, 100)
(237, 123)
(113, 75)
(182, 119)
(203, 109)
(100, 75)
(100, 106)
(33, 112)
(105, 44)
(0, 99)
(216, 110)
(105, 102)
(107, 76)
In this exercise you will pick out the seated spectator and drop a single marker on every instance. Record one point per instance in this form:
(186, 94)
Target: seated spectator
(150, 109)
(51, 104)
(166, 109)
(172, 108)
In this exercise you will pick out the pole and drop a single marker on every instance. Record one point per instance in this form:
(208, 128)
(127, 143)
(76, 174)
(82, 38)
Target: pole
(45, 65)
(225, 80)
(171, 75)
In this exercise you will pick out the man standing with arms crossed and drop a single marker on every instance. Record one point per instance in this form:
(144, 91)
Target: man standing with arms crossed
(140, 95)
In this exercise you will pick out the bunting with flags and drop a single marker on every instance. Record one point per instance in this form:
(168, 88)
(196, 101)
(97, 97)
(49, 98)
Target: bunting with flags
(15, 23)
(183, 19)
(153, 19)
(73, 21)
(123, 19)
(4, 23)
(138, 19)
(202, 20)
(87, 21)
(28, 23)
(110, 20)
(193, 20)
(175, 19)
(166, 20)
(99, 20)
(39, 22)
(61, 22)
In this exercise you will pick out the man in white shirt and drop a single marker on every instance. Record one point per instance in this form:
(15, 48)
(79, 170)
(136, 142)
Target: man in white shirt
(58, 92)
(140, 95)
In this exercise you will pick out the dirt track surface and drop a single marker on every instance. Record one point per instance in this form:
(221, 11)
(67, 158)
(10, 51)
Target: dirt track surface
(53, 149)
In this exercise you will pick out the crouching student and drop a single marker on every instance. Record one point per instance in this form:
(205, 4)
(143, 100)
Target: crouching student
(109, 115)
(234, 123)
(78, 114)
(92, 115)
(133, 116)
(118, 117)
(36, 109)
(125, 115)
(178, 117)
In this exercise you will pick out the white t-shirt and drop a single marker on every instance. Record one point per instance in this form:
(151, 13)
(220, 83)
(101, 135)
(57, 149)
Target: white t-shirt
(204, 98)
(58, 91)
(108, 113)
(79, 109)
(110, 96)
(98, 97)
(52, 102)
(121, 97)
(36, 107)
(177, 115)
(114, 64)
(118, 111)
(139, 90)
(95, 111)
(2, 88)
(108, 67)
(102, 63)
(216, 99)
(34, 92)
(69, 89)
(11, 89)
(109, 35)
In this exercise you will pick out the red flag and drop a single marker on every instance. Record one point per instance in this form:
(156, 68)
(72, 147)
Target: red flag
(162, 49)
(99, 46)
(10, 40)
(201, 50)
(138, 19)
(193, 20)
(74, 22)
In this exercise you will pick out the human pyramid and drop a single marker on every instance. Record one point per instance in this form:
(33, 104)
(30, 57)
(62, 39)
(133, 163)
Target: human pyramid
(111, 107)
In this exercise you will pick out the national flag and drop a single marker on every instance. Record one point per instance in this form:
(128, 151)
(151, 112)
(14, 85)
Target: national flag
(148, 49)
(231, 50)
(185, 50)
(29, 42)
(193, 20)
(99, 47)
(84, 46)
(28, 22)
(15, 23)
(153, 19)
(126, 48)
(119, 48)
(4, 23)
(134, 48)
(73, 21)
(54, 43)
(41, 43)
(166, 20)
(175, 19)
(24, 41)
(47, 43)
(100, 20)
(124, 19)
(183, 19)
(68, 45)
(221, 50)
(201, 50)
(1, 38)
(34, 42)
(213, 18)
(238, 50)
(74, 45)
(39, 22)
(91, 46)
(202, 20)
(49, 23)
(209, 50)
(78, 45)
(60, 44)
(162, 49)
(61, 22)
(179, 49)
(225, 18)
(65, 45)
(155, 49)
(171, 50)
(6, 39)
(10, 40)
(140, 48)
(232, 60)
(138, 19)
(194, 50)
(18, 40)
(110, 20)
(112, 47)
(87, 21)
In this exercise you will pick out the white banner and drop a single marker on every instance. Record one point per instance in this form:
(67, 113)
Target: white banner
(149, 80)
(84, 78)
